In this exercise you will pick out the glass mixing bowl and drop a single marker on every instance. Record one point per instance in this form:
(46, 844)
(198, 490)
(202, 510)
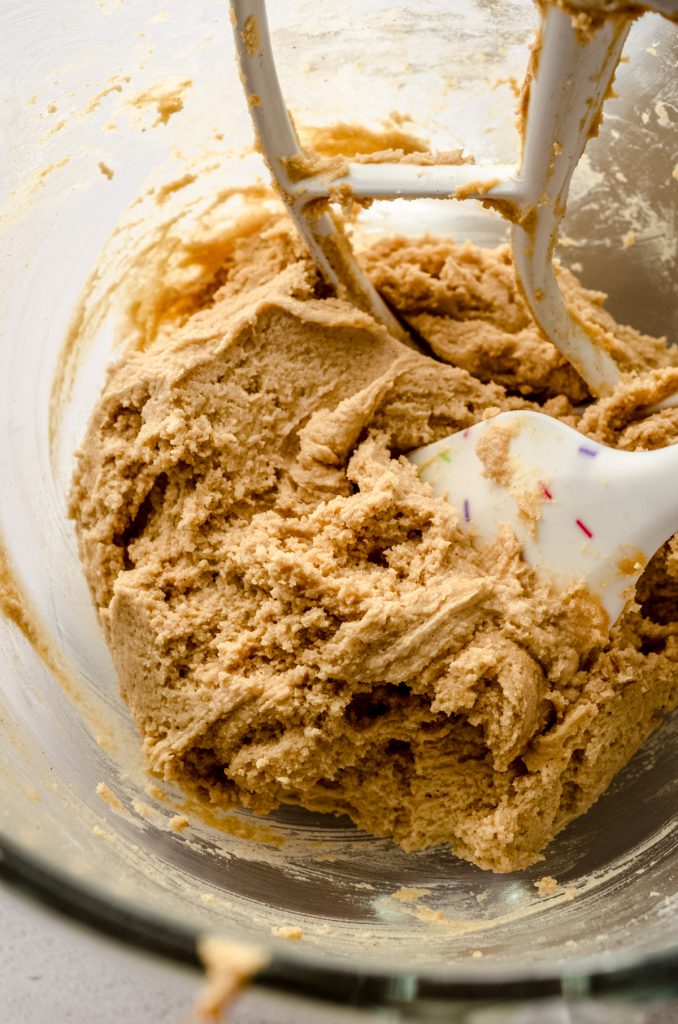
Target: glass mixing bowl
(88, 124)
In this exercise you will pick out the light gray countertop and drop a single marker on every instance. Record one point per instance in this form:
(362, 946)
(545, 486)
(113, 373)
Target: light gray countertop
(53, 970)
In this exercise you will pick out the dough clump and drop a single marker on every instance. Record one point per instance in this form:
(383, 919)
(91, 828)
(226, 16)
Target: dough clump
(295, 618)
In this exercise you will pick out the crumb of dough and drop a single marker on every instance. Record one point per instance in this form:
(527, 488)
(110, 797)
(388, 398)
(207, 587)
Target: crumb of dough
(250, 35)
(663, 119)
(296, 618)
(43, 173)
(407, 894)
(329, 148)
(588, 15)
(163, 192)
(431, 916)
(99, 832)
(178, 822)
(107, 171)
(530, 502)
(493, 451)
(94, 102)
(287, 931)
(476, 954)
(308, 163)
(156, 792)
(353, 140)
(546, 886)
(628, 239)
(109, 797)
(229, 968)
(422, 158)
(166, 97)
(142, 809)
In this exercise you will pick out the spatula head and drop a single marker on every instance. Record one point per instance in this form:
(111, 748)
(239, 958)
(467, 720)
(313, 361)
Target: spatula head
(560, 492)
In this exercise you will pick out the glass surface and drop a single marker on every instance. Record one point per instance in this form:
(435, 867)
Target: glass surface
(61, 735)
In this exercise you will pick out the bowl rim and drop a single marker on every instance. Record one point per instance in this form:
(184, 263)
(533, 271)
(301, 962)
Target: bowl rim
(637, 976)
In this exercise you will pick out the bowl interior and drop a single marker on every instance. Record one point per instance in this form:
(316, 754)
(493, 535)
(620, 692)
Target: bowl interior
(64, 728)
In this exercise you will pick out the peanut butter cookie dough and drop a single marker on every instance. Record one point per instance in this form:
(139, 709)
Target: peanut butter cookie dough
(295, 618)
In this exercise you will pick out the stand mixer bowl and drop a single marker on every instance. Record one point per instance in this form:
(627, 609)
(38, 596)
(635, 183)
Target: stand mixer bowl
(99, 104)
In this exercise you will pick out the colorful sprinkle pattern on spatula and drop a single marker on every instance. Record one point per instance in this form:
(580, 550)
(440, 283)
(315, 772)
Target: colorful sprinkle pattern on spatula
(584, 528)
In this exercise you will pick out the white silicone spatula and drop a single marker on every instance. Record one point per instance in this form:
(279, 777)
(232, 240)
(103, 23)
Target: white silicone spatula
(581, 510)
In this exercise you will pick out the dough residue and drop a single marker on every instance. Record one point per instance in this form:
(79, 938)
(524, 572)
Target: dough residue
(229, 967)
(291, 932)
(296, 618)
(167, 98)
(547, 885)
(493, 449)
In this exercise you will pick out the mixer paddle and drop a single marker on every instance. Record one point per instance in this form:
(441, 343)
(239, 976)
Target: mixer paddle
(569, 76)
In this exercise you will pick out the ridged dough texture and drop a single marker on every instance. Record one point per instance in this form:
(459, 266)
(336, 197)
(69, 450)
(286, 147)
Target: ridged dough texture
(295, 618)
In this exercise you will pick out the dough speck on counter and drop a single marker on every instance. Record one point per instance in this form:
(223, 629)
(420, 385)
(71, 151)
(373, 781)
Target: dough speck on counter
(293, 615)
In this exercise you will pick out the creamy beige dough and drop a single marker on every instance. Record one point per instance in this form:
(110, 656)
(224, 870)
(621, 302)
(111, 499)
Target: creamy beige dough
(295, 618)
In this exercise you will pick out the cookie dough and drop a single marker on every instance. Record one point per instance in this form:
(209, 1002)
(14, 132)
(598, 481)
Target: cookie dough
(293, 615)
